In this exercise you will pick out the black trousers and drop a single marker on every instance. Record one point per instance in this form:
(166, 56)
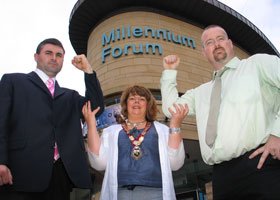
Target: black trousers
(59, 188)
(240, 179)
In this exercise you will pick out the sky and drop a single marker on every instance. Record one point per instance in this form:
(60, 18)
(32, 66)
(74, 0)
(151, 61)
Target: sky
(24, 24)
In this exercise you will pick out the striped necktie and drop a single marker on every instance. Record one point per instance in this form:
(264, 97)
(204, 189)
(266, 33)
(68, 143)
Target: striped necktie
(50, 85)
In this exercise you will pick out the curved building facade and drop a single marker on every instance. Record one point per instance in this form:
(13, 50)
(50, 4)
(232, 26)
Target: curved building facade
(126, 40)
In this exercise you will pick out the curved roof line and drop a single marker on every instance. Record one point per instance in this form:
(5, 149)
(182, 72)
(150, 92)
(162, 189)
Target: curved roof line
(87, 14)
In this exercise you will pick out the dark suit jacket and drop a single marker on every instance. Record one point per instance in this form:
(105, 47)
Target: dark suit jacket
(30, 123)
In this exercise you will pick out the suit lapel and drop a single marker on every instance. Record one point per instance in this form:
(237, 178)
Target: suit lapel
(58, 90)
(37, 81)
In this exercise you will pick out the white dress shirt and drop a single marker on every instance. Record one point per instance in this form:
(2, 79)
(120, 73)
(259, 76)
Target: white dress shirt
(43, 76)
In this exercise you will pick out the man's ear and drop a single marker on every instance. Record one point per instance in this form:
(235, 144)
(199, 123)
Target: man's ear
(36, 57)
(231, 45)
(203, 52)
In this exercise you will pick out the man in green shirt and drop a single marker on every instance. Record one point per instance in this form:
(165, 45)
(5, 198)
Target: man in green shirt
(245, 152)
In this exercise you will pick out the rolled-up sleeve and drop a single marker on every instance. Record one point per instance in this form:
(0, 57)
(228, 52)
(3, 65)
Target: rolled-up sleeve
(100, 162)
(176, 157)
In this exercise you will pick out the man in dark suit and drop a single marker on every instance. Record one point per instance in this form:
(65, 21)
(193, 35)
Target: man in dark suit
(35, 122)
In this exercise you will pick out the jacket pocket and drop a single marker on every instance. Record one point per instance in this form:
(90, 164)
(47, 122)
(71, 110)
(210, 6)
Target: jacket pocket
(15, 144)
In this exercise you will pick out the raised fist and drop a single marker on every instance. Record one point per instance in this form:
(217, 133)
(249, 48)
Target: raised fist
(171, 62)
(81, 62)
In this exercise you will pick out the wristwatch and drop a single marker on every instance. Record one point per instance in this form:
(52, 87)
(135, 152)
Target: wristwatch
(174, 130)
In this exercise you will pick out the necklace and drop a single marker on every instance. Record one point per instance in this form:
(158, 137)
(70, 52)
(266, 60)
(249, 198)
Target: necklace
(136, 142)
(134, 124)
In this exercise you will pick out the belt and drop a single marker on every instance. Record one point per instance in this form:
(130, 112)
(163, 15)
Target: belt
(129, 187)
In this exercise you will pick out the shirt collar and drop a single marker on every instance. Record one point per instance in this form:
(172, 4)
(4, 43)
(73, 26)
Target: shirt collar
(44, 77)
(233, 64)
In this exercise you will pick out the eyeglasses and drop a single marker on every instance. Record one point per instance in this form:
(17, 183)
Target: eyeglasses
(137, 99)
(211, 42)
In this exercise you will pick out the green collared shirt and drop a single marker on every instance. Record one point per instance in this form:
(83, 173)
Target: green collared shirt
(249, 110)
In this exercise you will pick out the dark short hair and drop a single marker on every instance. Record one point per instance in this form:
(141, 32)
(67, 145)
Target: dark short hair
(52, 41)
(152, 110)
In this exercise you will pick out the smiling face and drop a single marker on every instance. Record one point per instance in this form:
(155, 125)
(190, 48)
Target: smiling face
(136, 107)
(50, 59)
(217, 48)
(138, 104)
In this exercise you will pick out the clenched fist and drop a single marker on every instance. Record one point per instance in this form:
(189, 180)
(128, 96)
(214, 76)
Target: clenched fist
(81, 62)
(171, 62)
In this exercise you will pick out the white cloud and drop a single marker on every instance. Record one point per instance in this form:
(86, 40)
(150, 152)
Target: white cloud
(24, 24)
(262, 13)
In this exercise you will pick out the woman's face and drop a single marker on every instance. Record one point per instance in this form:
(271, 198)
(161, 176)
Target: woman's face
(136, 106)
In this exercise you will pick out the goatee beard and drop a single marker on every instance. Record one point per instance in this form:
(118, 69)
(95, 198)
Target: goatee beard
(217, 57)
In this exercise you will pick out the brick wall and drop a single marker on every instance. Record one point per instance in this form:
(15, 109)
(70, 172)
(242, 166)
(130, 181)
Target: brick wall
(115, 74)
